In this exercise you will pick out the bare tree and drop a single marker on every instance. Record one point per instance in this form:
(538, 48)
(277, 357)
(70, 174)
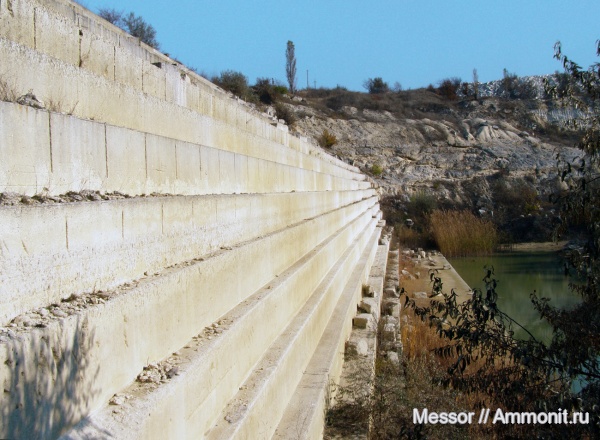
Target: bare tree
(131, 23)
(136, 26)
(290, 66)
(111, 15)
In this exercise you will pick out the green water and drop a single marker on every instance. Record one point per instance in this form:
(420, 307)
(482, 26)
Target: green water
(519, 274)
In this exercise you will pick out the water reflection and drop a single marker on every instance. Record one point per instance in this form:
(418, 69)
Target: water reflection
(519, 274)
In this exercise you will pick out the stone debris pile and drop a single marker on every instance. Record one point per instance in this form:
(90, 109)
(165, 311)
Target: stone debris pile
(160, 372)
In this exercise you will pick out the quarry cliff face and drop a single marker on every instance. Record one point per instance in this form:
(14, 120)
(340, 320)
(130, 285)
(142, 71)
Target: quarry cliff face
(450, 151)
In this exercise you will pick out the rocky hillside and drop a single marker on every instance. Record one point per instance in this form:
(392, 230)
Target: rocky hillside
(453, 149)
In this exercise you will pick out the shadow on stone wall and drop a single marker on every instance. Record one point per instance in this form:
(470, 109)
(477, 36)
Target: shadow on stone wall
(48, 381)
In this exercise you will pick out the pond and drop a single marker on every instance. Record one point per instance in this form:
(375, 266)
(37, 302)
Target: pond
(519, 274)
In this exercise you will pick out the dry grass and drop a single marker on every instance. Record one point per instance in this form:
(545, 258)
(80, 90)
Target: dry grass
(411, 238)
(461, 233)
(422, 374)
(7, 92)
(399, 389)
(58, 106)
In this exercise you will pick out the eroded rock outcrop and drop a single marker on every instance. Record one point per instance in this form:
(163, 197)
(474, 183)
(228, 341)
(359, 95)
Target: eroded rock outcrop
(446, 152)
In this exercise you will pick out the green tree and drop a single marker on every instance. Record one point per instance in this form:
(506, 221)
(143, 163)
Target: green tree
(284, 112)
(528, 374)
(111, 15)
(136, 26)
(376, 85)
(268, 91)
(290, 66)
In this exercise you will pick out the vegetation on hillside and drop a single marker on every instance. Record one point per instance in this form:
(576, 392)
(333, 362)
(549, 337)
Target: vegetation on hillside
(531, 375)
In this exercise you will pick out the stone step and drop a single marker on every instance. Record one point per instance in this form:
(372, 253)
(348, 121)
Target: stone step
(106, 345)
(66, 150)
(256, 409)
(212, 366)
(59, 153)
(60, 43)
(304, 416)
(100, 245)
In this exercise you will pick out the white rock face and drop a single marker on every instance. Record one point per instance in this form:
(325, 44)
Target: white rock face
(439, 153)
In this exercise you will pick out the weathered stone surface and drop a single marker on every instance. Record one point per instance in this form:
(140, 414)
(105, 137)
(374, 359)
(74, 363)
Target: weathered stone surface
(389, 332)
(390, 319)
(437, 155)
(392, 307)
(369, 305)
(357, 347)
(390, 291)
(393, 357)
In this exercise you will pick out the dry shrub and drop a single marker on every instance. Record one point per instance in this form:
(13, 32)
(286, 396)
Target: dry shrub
(285, 113)
(327, 139)
(423, 373)
(461, 233)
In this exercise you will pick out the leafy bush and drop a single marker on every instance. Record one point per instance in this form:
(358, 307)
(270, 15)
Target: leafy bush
(267, 91)
(376, 170)
(283, 112)
(513, 199)
(514, 87)
(341, 98)
(421, 205)
(327, 139)
(234, 82)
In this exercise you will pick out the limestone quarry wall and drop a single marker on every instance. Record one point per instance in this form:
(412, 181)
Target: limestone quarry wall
(166, 250)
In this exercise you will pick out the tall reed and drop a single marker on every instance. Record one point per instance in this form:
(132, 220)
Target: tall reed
(461, 233)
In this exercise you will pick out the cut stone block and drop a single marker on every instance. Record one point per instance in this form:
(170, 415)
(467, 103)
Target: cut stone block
(390, 291)
(393, 357)
(390, 320)
(389, 332)
(370, 305)
(392, 307)
(364, 320)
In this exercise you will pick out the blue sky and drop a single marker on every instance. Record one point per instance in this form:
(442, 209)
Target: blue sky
(345, 42)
